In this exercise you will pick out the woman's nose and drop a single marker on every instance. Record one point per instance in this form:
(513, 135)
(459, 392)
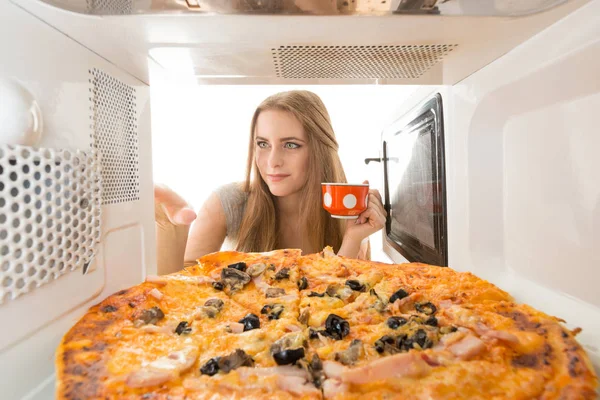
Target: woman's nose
(275, 158)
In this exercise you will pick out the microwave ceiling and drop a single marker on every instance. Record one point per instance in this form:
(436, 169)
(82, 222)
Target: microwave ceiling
(400, 42)
(310, 7)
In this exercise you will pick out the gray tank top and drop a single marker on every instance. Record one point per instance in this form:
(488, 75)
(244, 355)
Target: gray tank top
(233, 199)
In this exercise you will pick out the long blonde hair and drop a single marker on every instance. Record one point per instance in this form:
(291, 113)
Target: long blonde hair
(258, 230)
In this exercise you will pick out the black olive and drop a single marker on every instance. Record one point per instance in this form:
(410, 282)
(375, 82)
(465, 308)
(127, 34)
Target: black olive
(216, 303)
(355, 285)
(240, 266)
(183, 328)
(337, 327)
(131, 304)
(396, 322)
(152, 315)
(108, 309)
(302, 283)
(403, 343)
(426, 308)
(237, 359)
(273, 311)
(250, 322)
(380, 344)
(312, 334)
(315, 294)
(420, 337)
(211, 367)
(283, 273)
(432, 321)
(289, 356)
(400, 294)
(218, 285)
(453, 329)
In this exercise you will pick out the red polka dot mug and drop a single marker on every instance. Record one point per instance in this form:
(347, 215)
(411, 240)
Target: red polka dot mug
(345, 200)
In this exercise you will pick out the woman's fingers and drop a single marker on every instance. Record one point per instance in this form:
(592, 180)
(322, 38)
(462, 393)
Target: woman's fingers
(169, 204)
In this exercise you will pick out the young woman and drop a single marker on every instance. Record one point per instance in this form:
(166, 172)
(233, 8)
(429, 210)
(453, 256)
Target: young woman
(292, 150)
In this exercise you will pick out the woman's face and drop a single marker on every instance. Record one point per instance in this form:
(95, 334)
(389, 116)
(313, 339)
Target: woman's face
(281, 152)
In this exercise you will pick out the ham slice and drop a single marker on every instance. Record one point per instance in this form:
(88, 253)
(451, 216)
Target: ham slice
(333, 369)
(236, 327)
(157, 294)
(396, 366)
(163, 369)
(284, 370)
(468, 347)
(333, 387)
(296, 384)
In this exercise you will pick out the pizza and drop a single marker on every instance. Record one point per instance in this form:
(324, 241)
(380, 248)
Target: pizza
(280, 325)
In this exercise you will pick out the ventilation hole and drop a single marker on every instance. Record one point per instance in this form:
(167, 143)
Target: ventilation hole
(42, 274)
(7, 281)
(5, 266)
(16, 238)
(14, 207)
(16, 223)
(4, 250)
(3, 234)
(19, 269)
(20, 283)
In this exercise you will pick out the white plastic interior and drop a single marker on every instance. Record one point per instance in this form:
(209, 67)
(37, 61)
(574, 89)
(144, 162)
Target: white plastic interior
(523, 194)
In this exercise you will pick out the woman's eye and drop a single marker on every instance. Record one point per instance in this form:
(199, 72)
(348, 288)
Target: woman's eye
(262, 145)
(290, 145)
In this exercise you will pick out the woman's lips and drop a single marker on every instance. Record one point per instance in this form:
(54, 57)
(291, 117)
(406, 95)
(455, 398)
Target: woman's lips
(277, 177)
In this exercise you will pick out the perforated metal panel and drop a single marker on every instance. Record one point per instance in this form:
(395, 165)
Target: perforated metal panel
(115, 137)
(49, 216)
(109, 7)
(357, 62)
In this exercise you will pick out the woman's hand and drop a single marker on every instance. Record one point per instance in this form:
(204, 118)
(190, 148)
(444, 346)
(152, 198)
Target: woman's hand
(170, 208)
(173, 217)
(368, 222)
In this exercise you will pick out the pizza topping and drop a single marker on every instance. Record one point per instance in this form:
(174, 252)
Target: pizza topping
(250, 321)
(149, 316)
(256, 269)
(286, 357)
(274, 292)
(448, 329)
(387, 344)
(337, 327)
(426, 308)
(355, 285)
(333, 387)
(283, 273)
(240, 266)
(211, 367)
(235, 327)
(381, 303)
(304, 316)
(218, 285)
(396, 366)
(234, 278)
(468, 347)
(431, 321)
(400, 294)
(296, 385)
(396, 322)
(289, 341)
(163, 369)
(237, 359)
(339, 291)
(273, 311)
(157, 294)
(183, 328)
(315, 294)
(109, 309)
(302, 283)
(351, 354)
(210, 309)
